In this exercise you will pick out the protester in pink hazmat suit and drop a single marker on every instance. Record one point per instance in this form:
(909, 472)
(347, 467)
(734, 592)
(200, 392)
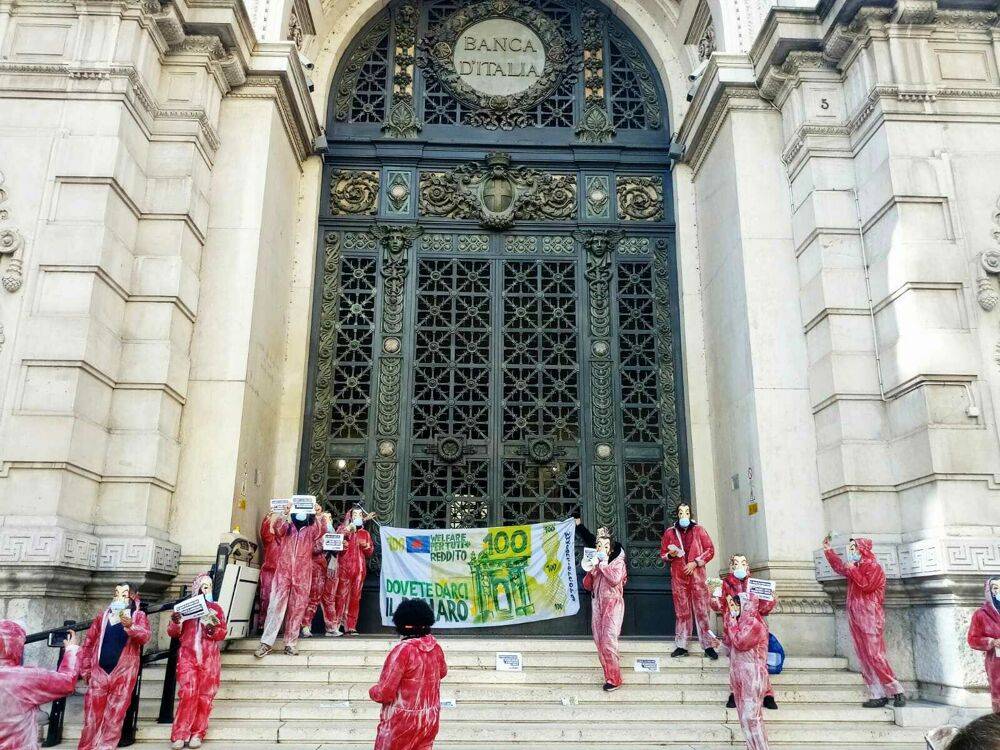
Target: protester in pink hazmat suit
(984, 635)
(292, 578)
(270, 554)
(409, 687)
(110, 665)
(687, 548)
(198, 667)
(321, 593)
(352, 567)
(24, 689)
(747, 633)
(606, 583)
(866, 619)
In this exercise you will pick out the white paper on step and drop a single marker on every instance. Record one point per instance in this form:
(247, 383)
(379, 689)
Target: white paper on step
(509, 661)
(648, 665)
(448, 703)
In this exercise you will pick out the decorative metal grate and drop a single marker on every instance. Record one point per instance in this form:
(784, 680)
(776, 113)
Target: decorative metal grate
(352, 368)
(628, 108)
(637, 348)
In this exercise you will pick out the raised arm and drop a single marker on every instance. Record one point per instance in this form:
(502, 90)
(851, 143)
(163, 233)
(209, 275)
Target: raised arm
(589, 540)
(835, 562)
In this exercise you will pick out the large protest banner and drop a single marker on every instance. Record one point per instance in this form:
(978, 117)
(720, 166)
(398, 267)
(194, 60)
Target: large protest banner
(482, 577)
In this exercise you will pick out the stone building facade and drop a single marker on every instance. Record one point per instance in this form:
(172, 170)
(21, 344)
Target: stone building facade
(837, 253)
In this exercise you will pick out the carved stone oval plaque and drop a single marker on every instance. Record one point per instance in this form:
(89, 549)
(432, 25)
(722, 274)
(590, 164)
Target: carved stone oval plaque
(499, 57)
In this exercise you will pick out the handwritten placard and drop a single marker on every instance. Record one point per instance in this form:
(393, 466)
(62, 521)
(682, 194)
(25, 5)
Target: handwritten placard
(509, 661)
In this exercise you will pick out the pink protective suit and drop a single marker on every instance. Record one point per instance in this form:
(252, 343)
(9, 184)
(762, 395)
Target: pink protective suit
(198, 670)
(866, 618)
(606, 582)
(409, 690)
(269, 542)
(24, 689)
(984, 635)
(292, 580)
(108, 695)
(352, 567)
(733, 586)
(323, 589)
(690, 592)
(748, 670)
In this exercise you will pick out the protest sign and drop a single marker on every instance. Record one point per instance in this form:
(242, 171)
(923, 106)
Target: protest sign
(304, 504)
(192, 609)
(589, 559)
(648, 665)
(481, 577)
(333, 542)
(764, 590)
(278, 505)
(508, 662)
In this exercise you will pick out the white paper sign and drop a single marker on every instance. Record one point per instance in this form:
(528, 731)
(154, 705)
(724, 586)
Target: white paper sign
(589, 559)
(278, 505)
(304, 504)
(678, 552)
(333, 542)
(996, 651)
(448, 703)
(508, 661)
(192, 609)
(764, 590)
(647, 665)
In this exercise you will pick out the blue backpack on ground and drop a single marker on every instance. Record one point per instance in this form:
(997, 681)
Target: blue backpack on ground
(775, 655)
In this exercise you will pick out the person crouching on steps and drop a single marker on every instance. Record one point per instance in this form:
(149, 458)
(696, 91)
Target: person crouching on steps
(606, 582)
(409, 688)
(198, 667)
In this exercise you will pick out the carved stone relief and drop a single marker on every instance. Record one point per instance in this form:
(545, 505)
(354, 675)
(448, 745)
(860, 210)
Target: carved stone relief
(402, 121)
(498, 194)
(11, 246)
(596, 126)
(639, 198)
(397, 192)
(353, 192)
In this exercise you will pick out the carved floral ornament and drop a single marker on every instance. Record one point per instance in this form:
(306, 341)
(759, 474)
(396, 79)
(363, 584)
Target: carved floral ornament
(11, 246)
(497, 193)
(354, 192)
(437, 57)
(989, 265)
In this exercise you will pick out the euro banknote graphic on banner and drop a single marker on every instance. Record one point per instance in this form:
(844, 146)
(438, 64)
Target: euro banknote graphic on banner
(504, 575)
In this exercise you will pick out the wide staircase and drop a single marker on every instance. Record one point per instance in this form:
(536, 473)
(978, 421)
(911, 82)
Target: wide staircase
(319, 700)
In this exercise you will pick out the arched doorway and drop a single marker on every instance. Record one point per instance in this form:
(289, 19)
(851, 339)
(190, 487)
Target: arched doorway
(493, 332)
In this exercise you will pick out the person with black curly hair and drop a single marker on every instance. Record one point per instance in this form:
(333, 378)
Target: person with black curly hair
(409, 687)
(981, 734)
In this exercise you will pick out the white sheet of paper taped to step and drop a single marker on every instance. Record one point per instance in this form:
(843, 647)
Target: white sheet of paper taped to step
(448, 703)
(508, 661)
(647, 665)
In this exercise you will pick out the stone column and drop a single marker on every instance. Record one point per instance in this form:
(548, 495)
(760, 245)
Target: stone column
(755, 348)
(891, 121)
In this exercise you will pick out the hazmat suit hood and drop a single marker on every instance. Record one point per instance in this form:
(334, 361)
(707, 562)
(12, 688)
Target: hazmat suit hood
(12, 638)
(865, 550)
(425, 643)
(198, 580)
(990, 605)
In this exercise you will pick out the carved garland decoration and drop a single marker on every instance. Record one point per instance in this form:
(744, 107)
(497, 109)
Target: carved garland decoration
(596, 126)
(651, 100)
(498, 194)
(11, 245)
(402, 121)
(356, 61)
(435, 57)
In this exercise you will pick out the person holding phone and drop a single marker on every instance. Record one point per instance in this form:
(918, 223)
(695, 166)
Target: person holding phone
(198, 667)
(352, 567)
(23, 690)
(110, 666)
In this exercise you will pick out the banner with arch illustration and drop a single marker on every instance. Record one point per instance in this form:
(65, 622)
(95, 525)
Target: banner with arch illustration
(505, 575)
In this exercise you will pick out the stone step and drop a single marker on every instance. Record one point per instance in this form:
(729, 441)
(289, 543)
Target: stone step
(614, 733)
(445, 745)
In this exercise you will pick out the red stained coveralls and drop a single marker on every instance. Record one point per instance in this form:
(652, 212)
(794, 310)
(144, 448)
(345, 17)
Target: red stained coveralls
(409, 690)
(748, 670)
(733, 586)
(984, 629)
(292, 580)
(323, 589)
(270, 544)
(690, 592)
(866, 617)
(352, 567)
(607, 584)
(24, 689)
(108, 695)
(198, 671)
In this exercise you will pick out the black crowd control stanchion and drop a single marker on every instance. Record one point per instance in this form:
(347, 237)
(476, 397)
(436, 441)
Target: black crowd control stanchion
(169, 684)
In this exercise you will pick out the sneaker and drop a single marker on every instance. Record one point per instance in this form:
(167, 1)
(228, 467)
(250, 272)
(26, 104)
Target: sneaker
(679, 652)
(177, 745)
(609, 688)
(332, 633)
(292, 650)
(875, 703)
(899, 700)
(306, 632)
(731, 703)
(195, 742)
(350, 632)
(712, 654)
(770, 703)
(262, 651)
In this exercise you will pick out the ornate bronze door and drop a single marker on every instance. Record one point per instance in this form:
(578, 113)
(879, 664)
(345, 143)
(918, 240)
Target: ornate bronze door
(493, 324)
